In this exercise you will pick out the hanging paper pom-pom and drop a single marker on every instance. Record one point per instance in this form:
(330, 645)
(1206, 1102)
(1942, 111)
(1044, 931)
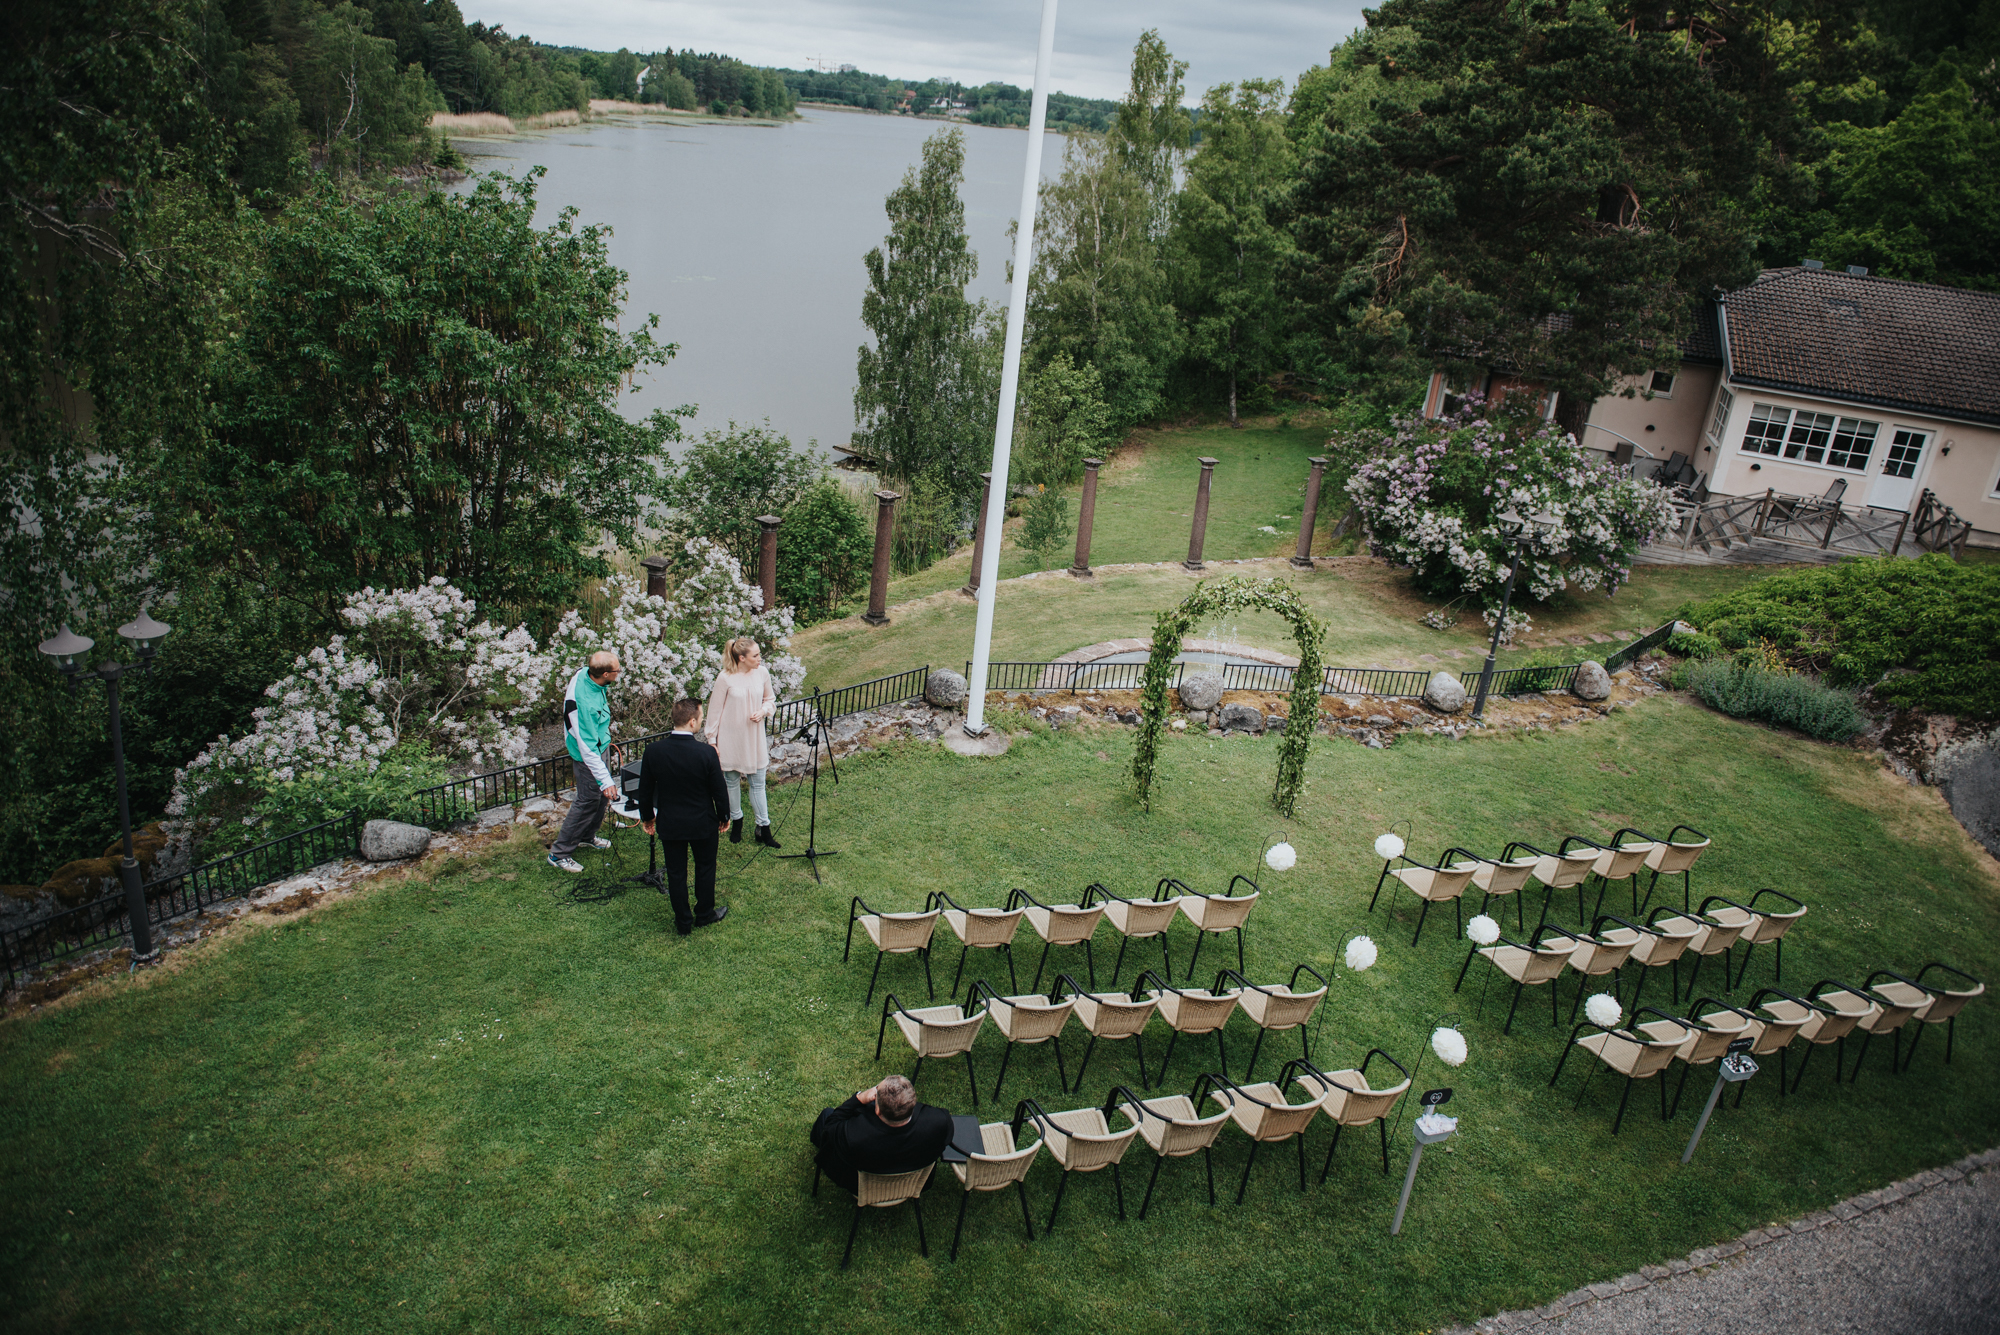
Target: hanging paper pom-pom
(1482, 930)
(1603, 1010)
(1281, 857)
(1389, 846)
(1449, 1045)
(1360, 953)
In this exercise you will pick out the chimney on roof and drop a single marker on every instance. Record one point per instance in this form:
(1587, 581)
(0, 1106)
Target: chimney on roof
(1814, 264)
(1858, 270)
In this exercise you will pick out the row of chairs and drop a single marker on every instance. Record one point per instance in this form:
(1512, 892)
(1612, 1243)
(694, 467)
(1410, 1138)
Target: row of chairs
(1031, 1019)
(1056, 924)
(1084, 1140)
(1661, 940)
(1829, 1013)
(1574, 863)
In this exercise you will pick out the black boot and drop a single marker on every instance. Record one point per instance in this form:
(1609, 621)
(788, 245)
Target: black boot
(765, 837)
(736, 831)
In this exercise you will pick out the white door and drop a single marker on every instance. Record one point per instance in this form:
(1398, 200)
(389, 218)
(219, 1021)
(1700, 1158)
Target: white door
(1897, 485)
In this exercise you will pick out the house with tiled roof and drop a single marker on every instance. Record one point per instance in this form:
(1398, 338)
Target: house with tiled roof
(1810, 380)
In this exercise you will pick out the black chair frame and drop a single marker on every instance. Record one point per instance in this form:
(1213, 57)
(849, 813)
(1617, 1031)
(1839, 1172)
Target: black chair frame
(938, 899)
(1137, 994)
(1018, 897)
(965, 1199)
(1694, 1014)
(1443, 863)
(1096, 891)
(1381, 1122)
(916, 1206)
(1305, 1041)
(1028, 1109)
(1618, 842)
(1951, 1025)
(1596, 934)
(1165, 985)
(855, 910)
(1687, 877)
(1743, 967)
(889, 1004)
(1627, 1031)
(1534, 943)
(1207, 1151)
(1215, 1080)
(995, 999)
(1202, 933)
(1507, 855)
(1784, 1053)
(1896, 1059)
(1701, 914)
(1651, 925)
(1819, 989)
(1548, 891)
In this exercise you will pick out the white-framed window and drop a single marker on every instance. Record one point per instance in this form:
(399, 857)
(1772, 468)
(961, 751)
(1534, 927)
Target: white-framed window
(1765, 433)
(1906, 450)
(1853, 441)
(1724, 401)
(1662, 386)
(1809, 437)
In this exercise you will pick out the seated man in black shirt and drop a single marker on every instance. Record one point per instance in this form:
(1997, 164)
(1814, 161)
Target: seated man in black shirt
(880, 1130)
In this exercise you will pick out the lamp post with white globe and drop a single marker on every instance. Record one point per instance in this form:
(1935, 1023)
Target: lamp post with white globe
(66, 651)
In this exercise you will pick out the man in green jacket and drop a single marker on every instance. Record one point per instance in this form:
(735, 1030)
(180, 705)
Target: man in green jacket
(587, 736)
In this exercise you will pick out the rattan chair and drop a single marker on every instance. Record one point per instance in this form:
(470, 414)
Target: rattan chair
(1192, 1011)
(1431, 884)
(1776, 1019)
(885, 1191)
(935, 1031)
(1665, 937)
(1602, 952)
(1348, 1099)
(1944, 1006)
(1897, 1001)
(1028, 1020)
(1563, 869)
(1535, 964)
(1620, 860)
(1638, 1051)
(1080, 1141)
(1059, 925)
(1212, 915)
(893, 934)
(1277, 1007)
(1175, 1129)
(1506, 875)
(1708, 1042)
(1676, 856)
(1767, 928)
(1722, 923)
(998, 1166)
(1137, 920)
(1837, 1009)
(1261, 1113)
(978, 929)
(1113, 1017)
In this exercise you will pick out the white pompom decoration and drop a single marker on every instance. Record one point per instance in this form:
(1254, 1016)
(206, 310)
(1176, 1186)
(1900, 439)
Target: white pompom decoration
(1360, 953)
(1482, 930)
(1389, 846)
(1603, 1011)
(1449, 1045)
(1281, 857)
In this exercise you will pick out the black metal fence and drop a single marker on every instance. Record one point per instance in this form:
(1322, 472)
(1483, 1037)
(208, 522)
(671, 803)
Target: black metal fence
(1640, 647)
(892, 689)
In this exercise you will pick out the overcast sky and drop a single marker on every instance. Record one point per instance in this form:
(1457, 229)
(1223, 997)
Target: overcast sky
(973, 41)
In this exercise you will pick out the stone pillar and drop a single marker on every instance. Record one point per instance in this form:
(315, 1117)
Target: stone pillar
(971, 589)
(1200, 530)
(656, 576)
(1304, 559)
(1086, 512)
(885, 538)
(767, 559)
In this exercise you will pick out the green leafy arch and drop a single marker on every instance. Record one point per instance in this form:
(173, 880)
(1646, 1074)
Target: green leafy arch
(1211, 599)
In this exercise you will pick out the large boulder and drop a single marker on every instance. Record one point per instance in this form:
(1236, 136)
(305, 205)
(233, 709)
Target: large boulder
(1201, 690)
(945, 689)
(1592, 681)
(392, 841)
(1242, 718)
(1444, 693)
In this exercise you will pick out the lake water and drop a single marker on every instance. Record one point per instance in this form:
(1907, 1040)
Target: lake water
(748, 242)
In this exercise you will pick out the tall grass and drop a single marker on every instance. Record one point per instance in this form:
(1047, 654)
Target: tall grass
(601, 105)
(471, 123)
(549, 120)
(1748, 690)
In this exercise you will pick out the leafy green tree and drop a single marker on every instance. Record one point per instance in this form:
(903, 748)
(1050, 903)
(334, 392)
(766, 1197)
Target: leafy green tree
(1151, 133)
(356, 101)
(620, 79)
(824, 549)
(1062, 421)
(726, 479)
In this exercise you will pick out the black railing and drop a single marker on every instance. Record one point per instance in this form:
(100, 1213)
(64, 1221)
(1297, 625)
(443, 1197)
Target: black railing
(1271, 677)
(1525, 680)
(1639, 648)
(791, 715)
(1388, 683)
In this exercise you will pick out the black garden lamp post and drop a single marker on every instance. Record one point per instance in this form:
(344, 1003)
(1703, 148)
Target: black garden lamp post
(66, 652)
(1517, 530)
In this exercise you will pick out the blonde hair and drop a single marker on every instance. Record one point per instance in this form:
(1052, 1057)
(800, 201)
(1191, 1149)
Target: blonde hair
(734, 651)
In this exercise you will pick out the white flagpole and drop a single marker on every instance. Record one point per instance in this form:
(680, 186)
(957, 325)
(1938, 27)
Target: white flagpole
(1010, 377)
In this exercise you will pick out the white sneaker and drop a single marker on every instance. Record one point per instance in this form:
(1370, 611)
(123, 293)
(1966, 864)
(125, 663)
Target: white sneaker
(563, 862)
(600, 842)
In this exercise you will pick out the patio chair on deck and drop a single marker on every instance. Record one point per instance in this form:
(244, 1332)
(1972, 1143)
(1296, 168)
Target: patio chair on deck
(1025, 1021)
(1432, 884)
(1533, 965)
(1261, 1113)
(978, 929)
(1638, 1051)
(892, 934)
(935, 1031)
(1277, 1007)
(1175, 1129)
(1081, 1141)
(1137, 919)
(1059, 925)
(1348, 1099)
(1944, 1006)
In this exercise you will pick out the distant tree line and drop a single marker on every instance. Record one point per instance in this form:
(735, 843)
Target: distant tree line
(986, 104)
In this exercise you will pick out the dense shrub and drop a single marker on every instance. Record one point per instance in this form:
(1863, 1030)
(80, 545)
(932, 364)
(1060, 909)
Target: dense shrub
(824, 548)
(1694, 645)
(1747, 690)
(386, 792)
(1931, 622)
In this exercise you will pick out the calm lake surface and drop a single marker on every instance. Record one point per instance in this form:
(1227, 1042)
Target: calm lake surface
(747, 242)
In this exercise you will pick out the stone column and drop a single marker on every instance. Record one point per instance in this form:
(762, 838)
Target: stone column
(767, 559)
(1086, 512)
(656, 576)
(971, 589)
(1200, 530)
(1304, 559)
(885, 538)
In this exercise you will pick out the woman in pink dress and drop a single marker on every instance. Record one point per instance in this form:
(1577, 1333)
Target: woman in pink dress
(737, 706)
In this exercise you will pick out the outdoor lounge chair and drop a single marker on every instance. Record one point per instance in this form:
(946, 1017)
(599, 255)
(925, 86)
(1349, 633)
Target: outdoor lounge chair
(1113, 1017)
(1768, 928)
(1709, 1038)
(1638, 1051)
(1277, 1007)
(1261, 1113)
(1565, 868)
(1081, 1141)
(893, 934)
(1897, 1001)
(1601, 953)
(1836, 1009)
(1776, 1018)
(1535, 964)
(1138, 919)
(1506, 875)
(1175, 1129)
(1722, 922)
(1944, 1006)
(884, 1191)
(1665, 939)
(1432, 884)
(1059, 925)
(978, 929)
(935, 1031)
(1213, 915)
(1192, 1011)
(1675, 855)
(1025, 1021)
(998, 1166)
(1620, 860)
(1348, 1099)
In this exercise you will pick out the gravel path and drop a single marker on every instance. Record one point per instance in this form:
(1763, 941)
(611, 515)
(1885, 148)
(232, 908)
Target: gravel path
(1920, 1257)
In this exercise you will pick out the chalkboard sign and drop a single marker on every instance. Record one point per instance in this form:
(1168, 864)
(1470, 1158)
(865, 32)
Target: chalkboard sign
(1433, 1097)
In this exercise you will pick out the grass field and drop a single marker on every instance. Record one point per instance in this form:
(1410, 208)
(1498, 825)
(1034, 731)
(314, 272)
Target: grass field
(458, 1102)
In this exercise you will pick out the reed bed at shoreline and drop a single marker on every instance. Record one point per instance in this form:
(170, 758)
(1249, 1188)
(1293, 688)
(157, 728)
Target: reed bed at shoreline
(474, 123)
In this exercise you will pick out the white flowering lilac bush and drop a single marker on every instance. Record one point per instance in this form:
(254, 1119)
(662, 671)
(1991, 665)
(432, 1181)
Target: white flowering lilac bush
(1430, 492)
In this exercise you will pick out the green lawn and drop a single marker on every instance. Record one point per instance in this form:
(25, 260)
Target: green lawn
(457, 1102)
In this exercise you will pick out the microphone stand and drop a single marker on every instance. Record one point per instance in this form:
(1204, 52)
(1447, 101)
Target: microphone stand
(812, 733)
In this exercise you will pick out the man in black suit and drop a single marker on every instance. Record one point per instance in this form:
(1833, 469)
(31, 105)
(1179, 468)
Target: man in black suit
(681, 792)
(880, 1130)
